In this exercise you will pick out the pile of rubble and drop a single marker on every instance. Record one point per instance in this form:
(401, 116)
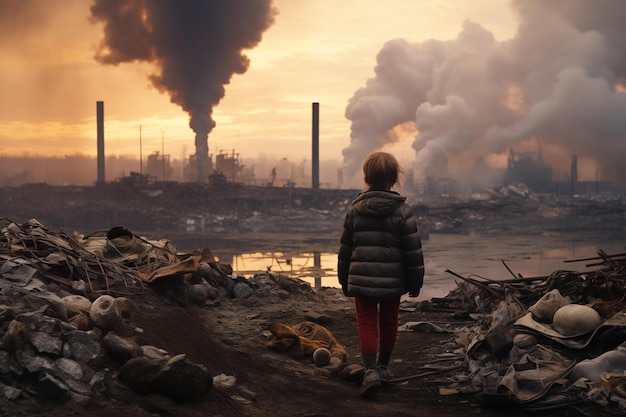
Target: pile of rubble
(543, 343)
(66, 307)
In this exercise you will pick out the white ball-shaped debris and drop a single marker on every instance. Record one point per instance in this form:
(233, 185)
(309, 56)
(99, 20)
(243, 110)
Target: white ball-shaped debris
(575, 320)
(103, 312)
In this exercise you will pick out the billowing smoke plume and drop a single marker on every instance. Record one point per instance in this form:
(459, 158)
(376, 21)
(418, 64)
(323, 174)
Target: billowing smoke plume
(195, 45)
(559, 82)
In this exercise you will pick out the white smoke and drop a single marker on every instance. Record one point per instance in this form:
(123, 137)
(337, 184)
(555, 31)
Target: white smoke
(558, 79)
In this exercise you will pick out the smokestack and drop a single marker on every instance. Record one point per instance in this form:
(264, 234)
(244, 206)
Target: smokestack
(100, 140)
(574, 174)
(315, 175)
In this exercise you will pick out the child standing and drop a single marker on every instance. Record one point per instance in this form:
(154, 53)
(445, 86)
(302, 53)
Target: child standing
(380, 259)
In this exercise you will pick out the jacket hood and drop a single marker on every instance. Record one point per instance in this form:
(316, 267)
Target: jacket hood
(378, 203)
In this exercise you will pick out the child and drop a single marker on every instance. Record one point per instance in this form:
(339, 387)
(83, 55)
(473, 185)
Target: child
(380, 259)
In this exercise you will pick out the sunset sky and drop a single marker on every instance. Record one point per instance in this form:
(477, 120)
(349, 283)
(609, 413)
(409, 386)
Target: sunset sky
(316, 51)
(429, 80)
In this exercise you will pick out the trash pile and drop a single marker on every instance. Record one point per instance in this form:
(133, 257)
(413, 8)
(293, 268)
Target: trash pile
(66, 307)
(544, 343)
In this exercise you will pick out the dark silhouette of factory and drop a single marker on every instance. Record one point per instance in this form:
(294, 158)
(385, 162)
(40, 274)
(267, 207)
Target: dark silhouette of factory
(530, 169)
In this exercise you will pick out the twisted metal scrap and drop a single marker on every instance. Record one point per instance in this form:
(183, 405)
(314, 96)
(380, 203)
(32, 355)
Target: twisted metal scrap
(480, 294)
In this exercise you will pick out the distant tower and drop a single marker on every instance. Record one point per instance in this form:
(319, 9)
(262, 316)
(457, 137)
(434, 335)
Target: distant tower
(315, 174)
(574, 173)
(100, 140)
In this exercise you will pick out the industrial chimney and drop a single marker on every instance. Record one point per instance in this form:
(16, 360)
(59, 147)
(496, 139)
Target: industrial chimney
(574, 173)
(315, 164)
(100, 140)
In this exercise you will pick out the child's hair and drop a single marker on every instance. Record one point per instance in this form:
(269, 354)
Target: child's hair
(381, 171)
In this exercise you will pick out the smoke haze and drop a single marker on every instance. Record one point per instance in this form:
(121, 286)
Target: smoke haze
(558, 82)
(195, 47)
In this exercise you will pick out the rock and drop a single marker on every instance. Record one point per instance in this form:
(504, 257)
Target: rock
(38, 364)
(198, 294)
(82, 346)
(70, 367)
(242, 290)
(182, 380)
(223, 381)
(11, 393)
(119, 347)
(44, 343)
(138, 373)
(153, 352)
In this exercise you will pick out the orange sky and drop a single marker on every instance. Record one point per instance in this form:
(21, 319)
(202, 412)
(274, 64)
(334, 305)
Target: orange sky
(316, 51)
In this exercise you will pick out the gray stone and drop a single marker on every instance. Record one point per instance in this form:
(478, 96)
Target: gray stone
(44, 343)
(70, 367)
(32, 317)
(78, 387)
(47, 324)
(11, 393)
(100, 382)
(198, 294)
(83, 346)
(39, 364)
(242, 290)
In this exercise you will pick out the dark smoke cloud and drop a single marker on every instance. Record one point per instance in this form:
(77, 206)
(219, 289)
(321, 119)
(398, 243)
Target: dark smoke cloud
(195, 45)
(559, 81)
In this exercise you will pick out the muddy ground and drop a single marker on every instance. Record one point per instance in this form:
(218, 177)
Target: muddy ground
(227, 336)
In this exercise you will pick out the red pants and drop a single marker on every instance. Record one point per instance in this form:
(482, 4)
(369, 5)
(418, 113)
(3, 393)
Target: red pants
(372, 315)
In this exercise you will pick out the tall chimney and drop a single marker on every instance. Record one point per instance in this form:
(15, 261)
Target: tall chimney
(100, 128)
(315, 164)
(574, 173)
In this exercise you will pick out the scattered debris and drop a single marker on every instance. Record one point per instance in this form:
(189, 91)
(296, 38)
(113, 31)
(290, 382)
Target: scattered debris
(544, 343)
(67, 303)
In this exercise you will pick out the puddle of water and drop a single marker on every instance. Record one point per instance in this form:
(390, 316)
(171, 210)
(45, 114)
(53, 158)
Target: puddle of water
(493, 257)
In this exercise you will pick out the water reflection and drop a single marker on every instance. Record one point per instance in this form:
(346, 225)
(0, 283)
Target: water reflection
(314, 259)
(316, 268)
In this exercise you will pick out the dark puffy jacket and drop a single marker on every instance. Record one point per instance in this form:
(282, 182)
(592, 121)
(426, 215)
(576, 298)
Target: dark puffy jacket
(381, 250)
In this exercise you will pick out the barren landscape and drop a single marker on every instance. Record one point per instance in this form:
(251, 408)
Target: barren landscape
(228, 335)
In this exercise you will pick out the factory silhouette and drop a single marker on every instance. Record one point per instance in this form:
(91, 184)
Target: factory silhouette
(225, 167)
